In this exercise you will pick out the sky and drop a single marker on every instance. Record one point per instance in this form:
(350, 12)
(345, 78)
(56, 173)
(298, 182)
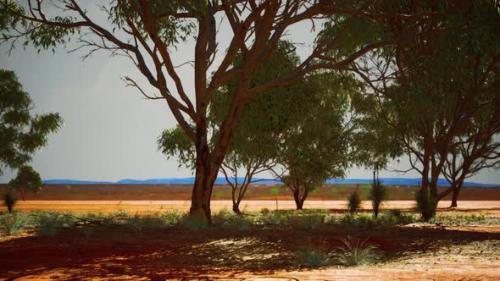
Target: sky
(110, 130)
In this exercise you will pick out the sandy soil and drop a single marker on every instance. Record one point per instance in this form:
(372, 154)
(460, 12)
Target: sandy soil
(142, 206)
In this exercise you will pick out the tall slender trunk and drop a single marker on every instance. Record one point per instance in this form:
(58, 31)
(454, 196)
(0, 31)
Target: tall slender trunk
(456, 192)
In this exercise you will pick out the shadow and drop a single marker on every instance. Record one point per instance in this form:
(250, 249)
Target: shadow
(97, 251)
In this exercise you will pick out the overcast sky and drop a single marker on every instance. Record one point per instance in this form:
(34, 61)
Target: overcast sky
(110, 130)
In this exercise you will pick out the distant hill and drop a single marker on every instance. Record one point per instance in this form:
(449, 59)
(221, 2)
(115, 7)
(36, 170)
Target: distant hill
(263, 181)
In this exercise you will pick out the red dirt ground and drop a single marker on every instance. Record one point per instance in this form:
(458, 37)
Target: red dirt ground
(94, 252)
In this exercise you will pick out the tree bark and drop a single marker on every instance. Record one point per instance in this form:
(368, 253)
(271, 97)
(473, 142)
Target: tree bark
(300, 198)
(454, 196)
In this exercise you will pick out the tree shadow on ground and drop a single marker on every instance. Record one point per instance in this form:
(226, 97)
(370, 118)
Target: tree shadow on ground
(97, 251)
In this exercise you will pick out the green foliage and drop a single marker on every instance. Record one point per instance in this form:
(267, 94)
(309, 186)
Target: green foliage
(21, 133)
(49, 224)
(13, 223)
(426, 204)
(313, 257)
(377, 195)
(9, 201)
(229, 220)
(353, 202)
(26, 179)
(356, 252)
(193, 222)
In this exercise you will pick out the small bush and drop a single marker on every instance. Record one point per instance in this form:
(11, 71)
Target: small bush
(394, 217)
(49, 224)
(353, 202)
(229, 220)
(171, 218)
(191, 222)
(426, 205)
(307, 222)
(377, 195)
(9, 201)
(313, 257)
(356, 252)
(14, 223)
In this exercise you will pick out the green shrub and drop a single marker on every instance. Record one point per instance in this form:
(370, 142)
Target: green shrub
(171, 218)
(397, 217)
(13, 223)
(426, 204)
(377, 195)
(353, 202)
(230, 220)
(356, 252)
(49, 224)
(307, 222)
(9, 201)
(191, 222)
(313, 257)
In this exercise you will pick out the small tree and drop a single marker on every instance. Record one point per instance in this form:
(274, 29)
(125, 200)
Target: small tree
(377, 194)
(21, 133)
(9, 201)
(353, 202)
(27, 180)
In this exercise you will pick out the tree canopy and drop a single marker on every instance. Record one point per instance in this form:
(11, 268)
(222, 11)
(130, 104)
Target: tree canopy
(21, 132)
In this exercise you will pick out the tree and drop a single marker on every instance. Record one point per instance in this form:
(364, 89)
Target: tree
(147, 32)
(478, 149)
(21, 133)
(314, 146)
(431, 87)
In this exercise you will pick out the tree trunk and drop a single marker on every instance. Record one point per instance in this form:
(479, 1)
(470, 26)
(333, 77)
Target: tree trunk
(300, 198)
(454, 196)
(205, 175)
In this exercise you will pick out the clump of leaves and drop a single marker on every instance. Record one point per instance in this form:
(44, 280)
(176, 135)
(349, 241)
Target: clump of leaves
(49, 224)
(9, 201)
(13, 223)
(353, 202)
(355, 252)
(377, 195)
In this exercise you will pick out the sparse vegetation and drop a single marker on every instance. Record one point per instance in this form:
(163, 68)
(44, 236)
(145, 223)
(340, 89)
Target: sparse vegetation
(313, 257)
(13, 223)
(356, 252)
(49, 224)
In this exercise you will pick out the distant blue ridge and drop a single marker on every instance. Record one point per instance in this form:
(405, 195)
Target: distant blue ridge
(264, 181)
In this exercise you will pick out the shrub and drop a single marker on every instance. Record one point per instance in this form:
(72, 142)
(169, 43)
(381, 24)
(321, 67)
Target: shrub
(313, 257)
(308, 222)
(426, 205)
(191, 222)
(355, 252)
(377, 195)
(353, 202)
(229, 220)
(395, 216)
(49, 224)
(171, 218)
(9, 201)
(13, 223)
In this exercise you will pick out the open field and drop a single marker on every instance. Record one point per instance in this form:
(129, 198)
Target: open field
(223, 192)
(152, 206)
(151, 240)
